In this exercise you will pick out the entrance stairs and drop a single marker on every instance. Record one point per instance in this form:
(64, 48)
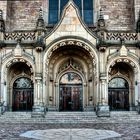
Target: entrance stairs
(70, 118)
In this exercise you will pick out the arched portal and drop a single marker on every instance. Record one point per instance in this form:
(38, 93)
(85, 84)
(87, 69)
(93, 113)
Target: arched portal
(71, 93)
(126, 70)
(14, 70)
(118, 94)
(71, 55)
(22, 94)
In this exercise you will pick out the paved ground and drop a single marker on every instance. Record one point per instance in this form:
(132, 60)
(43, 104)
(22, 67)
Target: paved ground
(71, 134)
(129, 131)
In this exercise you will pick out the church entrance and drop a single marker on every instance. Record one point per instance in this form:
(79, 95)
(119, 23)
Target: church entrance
(118, 94)
(71, 94)
(22, 94)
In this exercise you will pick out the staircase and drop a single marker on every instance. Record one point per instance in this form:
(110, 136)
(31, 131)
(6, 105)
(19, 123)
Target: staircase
(70, 117)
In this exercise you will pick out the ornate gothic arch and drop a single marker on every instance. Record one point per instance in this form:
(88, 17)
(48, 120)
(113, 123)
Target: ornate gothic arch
(68, 42)
(8, 62)
(57, 53)
(6, 87)
(131, 62)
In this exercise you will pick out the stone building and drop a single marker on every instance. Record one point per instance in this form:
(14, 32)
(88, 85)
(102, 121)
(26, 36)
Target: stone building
(70, 55)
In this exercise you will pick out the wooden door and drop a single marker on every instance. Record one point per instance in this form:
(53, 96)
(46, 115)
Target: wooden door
(70, 98)
(22, 100)
(22, 95)
(118, 99)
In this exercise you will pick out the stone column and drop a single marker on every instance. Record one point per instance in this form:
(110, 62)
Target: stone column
(39, 108)
(138, 92)
(103, 108)
(90, 91)
(3, 95)
(138, 82)
(38, 77)
(57, 100)
(38, 93)
(104, 92)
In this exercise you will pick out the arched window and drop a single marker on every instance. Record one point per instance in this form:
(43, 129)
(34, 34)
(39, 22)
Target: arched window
(85, 8)
(71, 78)
(118, 83)
(23, 82)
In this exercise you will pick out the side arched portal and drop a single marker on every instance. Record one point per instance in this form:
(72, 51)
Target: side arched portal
(118, 94)
(16, 70)
(122, 74)
(22, 94)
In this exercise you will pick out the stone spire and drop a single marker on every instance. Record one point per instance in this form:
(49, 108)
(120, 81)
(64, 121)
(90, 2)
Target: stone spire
(138, 24)
(2, 24)
(40, 21)
(40, 29)
(101, 21)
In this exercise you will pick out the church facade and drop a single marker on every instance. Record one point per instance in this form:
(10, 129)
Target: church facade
(70, 55)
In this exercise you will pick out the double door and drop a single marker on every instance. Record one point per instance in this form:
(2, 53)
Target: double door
(22, 99)
(118, 99)
(70, 98)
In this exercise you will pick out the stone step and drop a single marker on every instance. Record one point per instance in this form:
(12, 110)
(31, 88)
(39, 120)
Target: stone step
(70, 117)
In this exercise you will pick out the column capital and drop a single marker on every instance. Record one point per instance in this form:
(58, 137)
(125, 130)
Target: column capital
(38, 75)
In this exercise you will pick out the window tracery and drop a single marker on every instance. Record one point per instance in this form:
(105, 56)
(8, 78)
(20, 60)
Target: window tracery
(23, 83)
(118, 83)
(70, 64)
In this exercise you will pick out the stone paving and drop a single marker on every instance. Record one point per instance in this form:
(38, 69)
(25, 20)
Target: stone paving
(129, 131)
(127, 124)
(71, 134)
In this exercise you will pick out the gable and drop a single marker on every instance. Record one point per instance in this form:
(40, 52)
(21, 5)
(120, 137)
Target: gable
(71, 25)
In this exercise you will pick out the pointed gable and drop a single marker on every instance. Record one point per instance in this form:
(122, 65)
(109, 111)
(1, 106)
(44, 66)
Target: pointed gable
(71, 25)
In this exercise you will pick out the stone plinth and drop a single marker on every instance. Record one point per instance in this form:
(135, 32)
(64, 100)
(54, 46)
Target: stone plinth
(38, 111)
(103, 111)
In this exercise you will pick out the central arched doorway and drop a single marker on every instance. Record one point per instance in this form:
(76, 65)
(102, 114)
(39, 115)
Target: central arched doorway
(71, 92)
(22, 94)
(118, 94)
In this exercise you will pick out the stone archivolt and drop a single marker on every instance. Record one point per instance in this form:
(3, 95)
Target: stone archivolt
(68, 44)
(19, 60)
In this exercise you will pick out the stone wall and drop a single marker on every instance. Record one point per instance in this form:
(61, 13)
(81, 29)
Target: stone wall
(22, 15)
(121, 14)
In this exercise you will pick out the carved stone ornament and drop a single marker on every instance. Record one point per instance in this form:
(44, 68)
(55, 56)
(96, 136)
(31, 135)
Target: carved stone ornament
(18, 50)
(123, 51)
(74, 43)
(40, 21)
(2, 23)
(101, 21)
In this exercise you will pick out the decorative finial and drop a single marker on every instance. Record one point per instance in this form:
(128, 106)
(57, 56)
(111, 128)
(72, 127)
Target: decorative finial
(101, 21)
(1, 14)
(101, 14)
(40, 13)
(2, 24)
(138, 24)
(40, 21)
